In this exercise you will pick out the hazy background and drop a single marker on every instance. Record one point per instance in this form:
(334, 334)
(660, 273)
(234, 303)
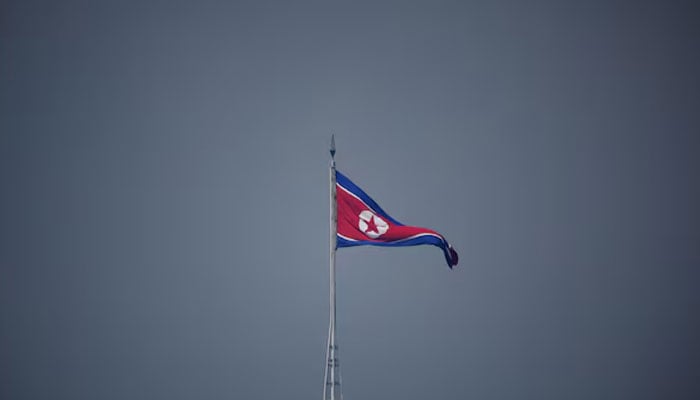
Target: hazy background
(164, 209)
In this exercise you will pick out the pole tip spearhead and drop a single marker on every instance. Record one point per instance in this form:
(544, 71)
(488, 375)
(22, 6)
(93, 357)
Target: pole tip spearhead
(332, 145)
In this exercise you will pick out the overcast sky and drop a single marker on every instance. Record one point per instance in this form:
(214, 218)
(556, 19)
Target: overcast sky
(164, 208)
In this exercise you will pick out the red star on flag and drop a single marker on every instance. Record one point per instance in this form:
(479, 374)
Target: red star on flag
(371, 226)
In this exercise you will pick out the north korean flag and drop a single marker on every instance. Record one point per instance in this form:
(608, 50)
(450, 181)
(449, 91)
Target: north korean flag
(362, 222)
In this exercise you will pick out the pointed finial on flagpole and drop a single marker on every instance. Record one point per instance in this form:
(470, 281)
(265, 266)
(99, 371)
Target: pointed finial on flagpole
(333, 148)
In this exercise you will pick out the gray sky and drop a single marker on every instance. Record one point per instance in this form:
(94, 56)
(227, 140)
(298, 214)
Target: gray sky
(164, 210)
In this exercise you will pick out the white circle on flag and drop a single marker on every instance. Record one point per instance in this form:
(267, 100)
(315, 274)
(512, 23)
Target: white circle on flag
(371, 225)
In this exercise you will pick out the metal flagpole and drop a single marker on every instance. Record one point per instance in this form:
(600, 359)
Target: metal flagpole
(331, 378)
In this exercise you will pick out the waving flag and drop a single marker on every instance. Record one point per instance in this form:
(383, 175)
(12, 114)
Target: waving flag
(362, 222)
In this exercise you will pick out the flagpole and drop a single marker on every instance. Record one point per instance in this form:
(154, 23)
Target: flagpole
(331, 379)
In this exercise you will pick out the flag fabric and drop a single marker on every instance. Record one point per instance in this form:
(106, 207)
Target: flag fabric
(362, 222)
